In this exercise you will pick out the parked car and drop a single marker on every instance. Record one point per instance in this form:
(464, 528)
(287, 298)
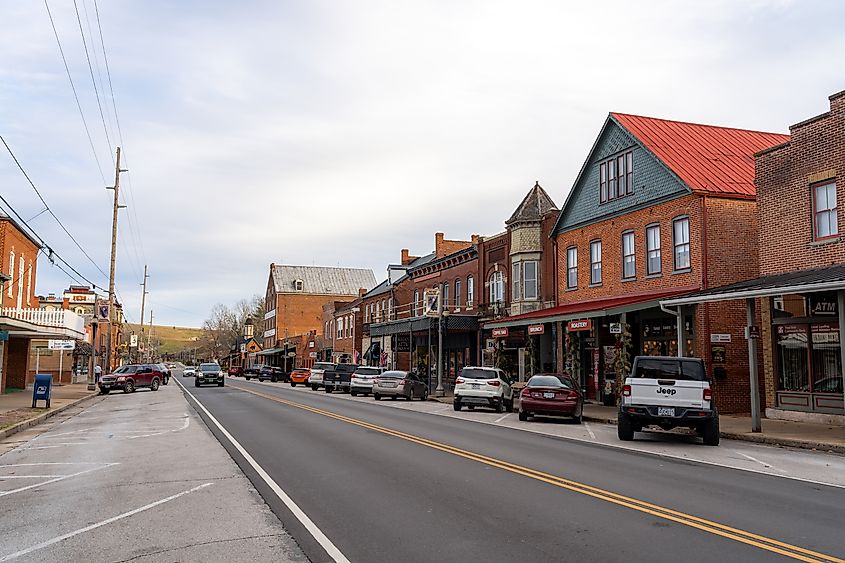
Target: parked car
(551, 394)
(362, 380)
(299, 375)
(165, 371)
(397, 383)
(668, 392)
(339, 378)
(209, 373)
(483, 387)
(317, 371)
(235, 371)
(128, 378)
(189, 371)
(272, 373)
(249, 373)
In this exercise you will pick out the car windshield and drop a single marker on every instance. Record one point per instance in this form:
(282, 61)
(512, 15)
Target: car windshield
(126, 369)
(550, 381)
(667, 368)
(476, 373)
(367, 371)
(209, 367)
(323, 366)
(393, 375)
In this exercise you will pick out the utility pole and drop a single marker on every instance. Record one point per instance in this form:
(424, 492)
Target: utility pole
(150, 339)
(115, 207)
(143, 302)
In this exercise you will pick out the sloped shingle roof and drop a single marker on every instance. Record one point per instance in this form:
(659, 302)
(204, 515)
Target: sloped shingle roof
(534, 207)
(321, 280)
(709, 159)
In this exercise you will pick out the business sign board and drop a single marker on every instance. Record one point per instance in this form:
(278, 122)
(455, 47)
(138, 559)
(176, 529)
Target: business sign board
(431, 302)
(500, 332)
(720, 338)
(752, 332)
(575, 326)
(133, 340)
(4, 335)
(615, 328)
(61, 344)
(536, 329)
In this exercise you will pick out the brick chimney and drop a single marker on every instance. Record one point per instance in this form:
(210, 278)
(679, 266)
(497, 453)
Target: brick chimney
(362, 291)
(474, 239)
(407, 258)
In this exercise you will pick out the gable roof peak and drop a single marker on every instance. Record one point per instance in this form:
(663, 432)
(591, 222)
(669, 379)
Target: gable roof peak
(534, 206)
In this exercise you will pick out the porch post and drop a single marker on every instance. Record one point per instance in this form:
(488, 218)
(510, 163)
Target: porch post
(750, 312)
(681, 330)
(840, 307)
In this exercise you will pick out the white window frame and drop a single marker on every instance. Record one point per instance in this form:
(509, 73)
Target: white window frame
(526, 280)
(416, 303)
(572, 267)
(825, 220)
(629, 255)
(29, 284)
(11, 272)
(497, 287)
(21, 266)
(679, 246)
(595, 262)
(516, 281)
(457, 292)
(652, 249)
(470, 290)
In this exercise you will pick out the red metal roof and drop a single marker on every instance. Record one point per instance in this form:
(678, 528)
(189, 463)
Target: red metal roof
(593, 305)
(710, 159)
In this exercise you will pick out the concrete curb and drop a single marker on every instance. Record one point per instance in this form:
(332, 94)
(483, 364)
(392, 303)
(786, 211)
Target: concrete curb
(38, 419)
(756, 438)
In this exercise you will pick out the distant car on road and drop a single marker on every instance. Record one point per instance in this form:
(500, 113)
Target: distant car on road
(399, 384)
(483, 387)
(299, 375)
(165, 371)
(189, 371)
(209, 373)
(128, 378)
(318, 370)
(551, 394)
(235, 371)
(362, 380)
(273, 373)
(339, 378)
(249, 373)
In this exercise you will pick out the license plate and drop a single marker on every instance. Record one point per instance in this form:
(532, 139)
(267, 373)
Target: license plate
(548, 395)
(665, 411)
(389, 385)
(475, 386)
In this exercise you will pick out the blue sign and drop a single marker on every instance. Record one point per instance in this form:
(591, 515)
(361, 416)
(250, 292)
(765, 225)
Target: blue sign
(4, 335)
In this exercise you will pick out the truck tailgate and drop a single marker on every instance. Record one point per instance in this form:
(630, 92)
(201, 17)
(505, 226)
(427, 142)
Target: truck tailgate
(669, 392)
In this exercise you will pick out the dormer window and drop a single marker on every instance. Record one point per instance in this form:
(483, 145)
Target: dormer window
(298, 285)
(616, 177)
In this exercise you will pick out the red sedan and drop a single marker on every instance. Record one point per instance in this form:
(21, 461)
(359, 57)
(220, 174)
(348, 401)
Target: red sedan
(551, 394)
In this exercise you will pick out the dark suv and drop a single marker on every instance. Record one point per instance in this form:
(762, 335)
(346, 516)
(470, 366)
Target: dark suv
(128, 378)
(273, 373)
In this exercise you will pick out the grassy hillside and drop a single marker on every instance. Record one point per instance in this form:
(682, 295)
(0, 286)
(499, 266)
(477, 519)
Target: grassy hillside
(171, 338)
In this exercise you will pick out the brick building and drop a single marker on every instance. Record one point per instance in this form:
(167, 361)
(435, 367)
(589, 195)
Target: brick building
(294, 303)
(801, 288)
(659, 209)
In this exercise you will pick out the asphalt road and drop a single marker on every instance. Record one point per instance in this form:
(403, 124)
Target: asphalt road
(387, 484)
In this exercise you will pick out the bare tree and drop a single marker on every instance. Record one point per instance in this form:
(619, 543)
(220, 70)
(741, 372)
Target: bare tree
(225, 325)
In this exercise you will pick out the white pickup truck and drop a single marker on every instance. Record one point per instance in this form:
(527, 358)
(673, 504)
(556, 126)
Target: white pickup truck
(668, 392)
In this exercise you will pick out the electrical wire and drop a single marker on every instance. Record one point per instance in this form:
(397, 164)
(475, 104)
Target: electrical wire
(75, 95)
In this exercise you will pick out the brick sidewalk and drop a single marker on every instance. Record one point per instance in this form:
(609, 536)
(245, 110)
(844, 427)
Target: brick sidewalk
(16, 407)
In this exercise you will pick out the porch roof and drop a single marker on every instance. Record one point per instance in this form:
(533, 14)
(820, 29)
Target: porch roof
(40, 323)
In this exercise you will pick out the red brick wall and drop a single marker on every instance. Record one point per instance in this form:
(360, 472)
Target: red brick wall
(302, 313)
(447, 270)
(13, 240)
(610, 233)
(784, 176)
(493, 254)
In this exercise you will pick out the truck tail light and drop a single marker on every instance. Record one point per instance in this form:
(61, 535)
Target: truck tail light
(626, 390)
(708, 395)
(494, 382)
(460, 381)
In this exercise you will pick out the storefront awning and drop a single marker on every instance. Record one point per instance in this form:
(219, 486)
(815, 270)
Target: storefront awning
(592, 308)
(270, 351)
(804, 281)
(418, 324)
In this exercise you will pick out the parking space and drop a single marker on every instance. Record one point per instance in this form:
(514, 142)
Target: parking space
(136, 476)
(812, 466)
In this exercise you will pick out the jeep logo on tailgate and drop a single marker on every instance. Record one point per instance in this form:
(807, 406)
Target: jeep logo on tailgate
(663, 391)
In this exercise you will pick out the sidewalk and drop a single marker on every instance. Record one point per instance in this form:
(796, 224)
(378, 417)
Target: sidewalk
(804, 435)
(16, 412)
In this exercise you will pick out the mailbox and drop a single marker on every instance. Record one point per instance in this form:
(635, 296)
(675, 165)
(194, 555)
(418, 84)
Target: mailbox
(42, 388)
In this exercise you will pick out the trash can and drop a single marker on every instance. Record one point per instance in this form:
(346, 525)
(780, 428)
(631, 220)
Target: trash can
(42, 388)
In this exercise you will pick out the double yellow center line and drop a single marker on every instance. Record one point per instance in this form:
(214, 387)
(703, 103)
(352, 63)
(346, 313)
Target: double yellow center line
(748, 538)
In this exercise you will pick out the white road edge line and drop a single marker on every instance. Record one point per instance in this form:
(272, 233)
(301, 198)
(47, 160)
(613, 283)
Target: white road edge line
(63, 537)
(62, 478)
(303, 518)
(501, 418)
(589, 430)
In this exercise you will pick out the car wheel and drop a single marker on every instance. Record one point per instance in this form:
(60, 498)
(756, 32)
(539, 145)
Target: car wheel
(509, 405)
(376, 396)
(293, 383)
(353, 393)
(274, 379)
(393, 397)
(456, 405)
(328, 389)
(624, 428)
(246, 377)
(129, 387)
(315, 387)
(104, 391)
(579, 418)
(220, 383)
(710, 432)
(154, 384)
(500, 406)
(410, 396)
(196, 383)
(424, 395)
(523, 416)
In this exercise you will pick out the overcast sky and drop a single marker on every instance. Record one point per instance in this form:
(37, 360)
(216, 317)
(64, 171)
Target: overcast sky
(337, 133)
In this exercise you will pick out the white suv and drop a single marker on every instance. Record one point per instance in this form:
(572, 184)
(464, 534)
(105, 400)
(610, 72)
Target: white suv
(483, 387)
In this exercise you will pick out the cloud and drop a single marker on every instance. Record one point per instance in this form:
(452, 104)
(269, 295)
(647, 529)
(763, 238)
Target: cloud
(335, 133)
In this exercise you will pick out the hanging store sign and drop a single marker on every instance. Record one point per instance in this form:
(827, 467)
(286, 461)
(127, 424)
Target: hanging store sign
(575, 326)
(536, 329)
(133, 340)
(61, 344)
(615, 328)
(500, 332)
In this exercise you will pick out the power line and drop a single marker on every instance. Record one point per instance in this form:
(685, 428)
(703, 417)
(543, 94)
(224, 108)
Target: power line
(75, 95)
(91, 70)
(47, 207)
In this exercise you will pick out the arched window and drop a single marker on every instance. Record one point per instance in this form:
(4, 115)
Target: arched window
(470, 290)
(497, 287)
